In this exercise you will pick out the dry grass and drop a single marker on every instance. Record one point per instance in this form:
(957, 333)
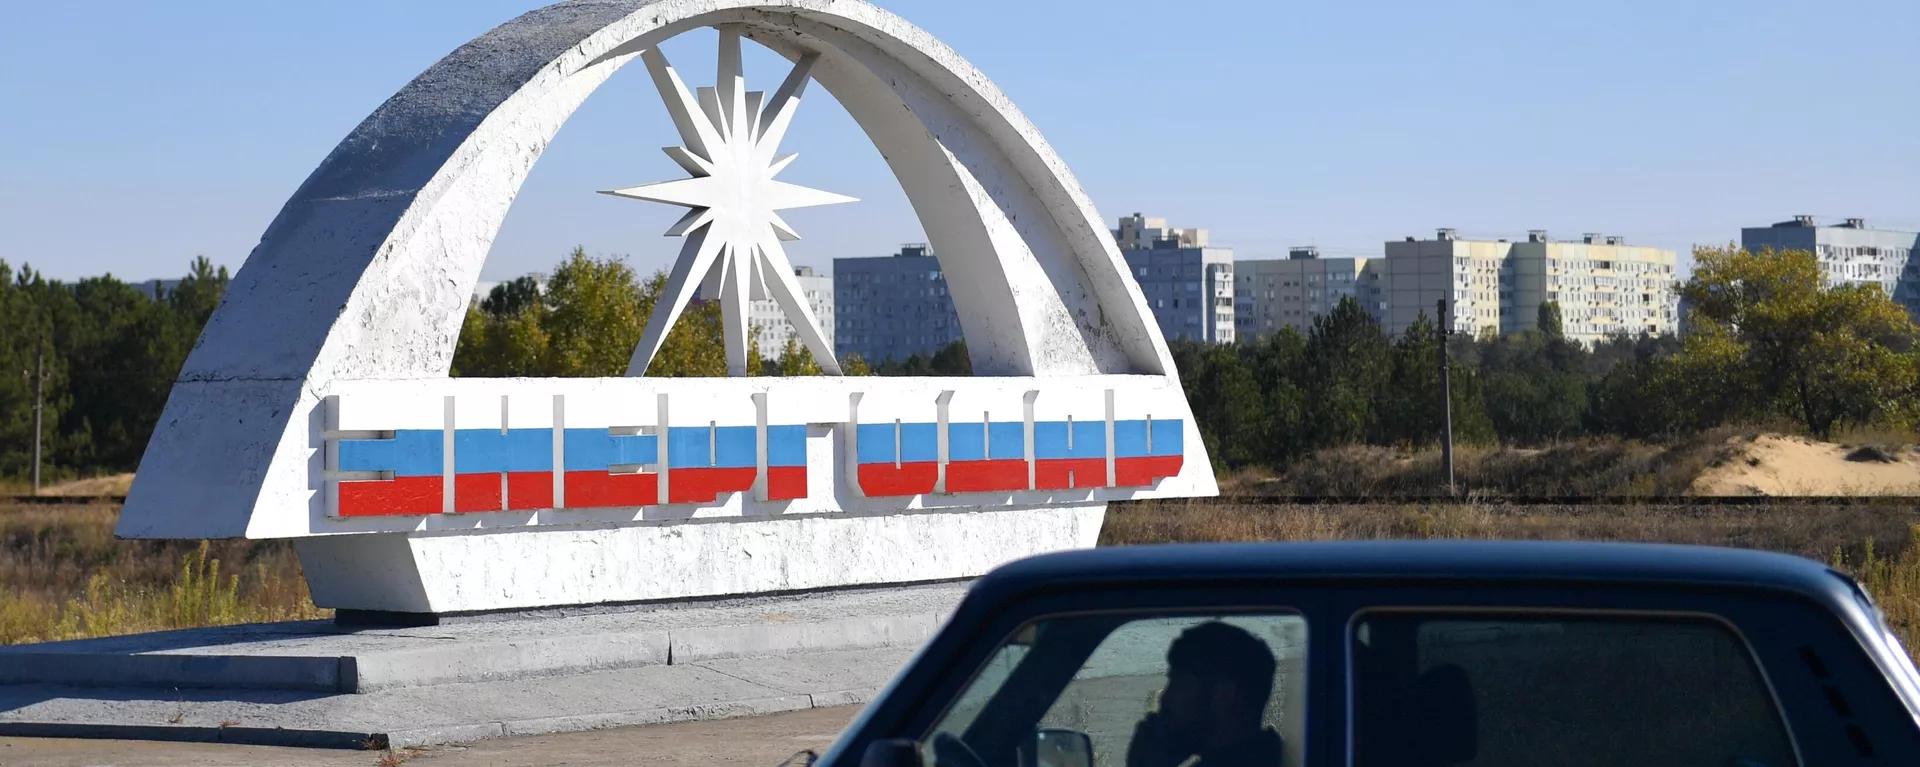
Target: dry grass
(67, 577)
(1879, 543)
(1576, 468)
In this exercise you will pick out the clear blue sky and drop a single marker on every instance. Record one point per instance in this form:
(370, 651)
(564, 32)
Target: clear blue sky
(135, 135)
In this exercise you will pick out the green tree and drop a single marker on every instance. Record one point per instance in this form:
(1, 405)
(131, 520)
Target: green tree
(25, 330)
(1228, 405)
(594, 317)
(1346, 372)
(1535, 384)
(199, 293)
(112, 353)
(795, 360)
(855, 365)
(1237, 414)
(515, 295)
(696, 347)
(587, 322)
(1278, 361)
(1547, 320)
(511, 346)
(1773, 335)
(1409, 408)
(915, 365)
(949, 360)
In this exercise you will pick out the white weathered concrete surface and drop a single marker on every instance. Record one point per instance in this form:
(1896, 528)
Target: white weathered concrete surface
(457, 572)
(455, 713)
(318, 656)
(634, 402)
(366, 272)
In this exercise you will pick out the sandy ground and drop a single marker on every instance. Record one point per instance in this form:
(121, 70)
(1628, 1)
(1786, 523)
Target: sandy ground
(1776, 465)
(759, 742)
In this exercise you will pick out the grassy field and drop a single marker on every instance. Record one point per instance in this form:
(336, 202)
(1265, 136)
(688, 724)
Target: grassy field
(63, 575)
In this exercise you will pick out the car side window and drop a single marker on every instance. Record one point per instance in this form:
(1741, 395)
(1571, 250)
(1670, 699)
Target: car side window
(1493, 691)
(1134, 691)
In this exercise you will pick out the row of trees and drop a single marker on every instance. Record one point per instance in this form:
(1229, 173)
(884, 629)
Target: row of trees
(1767, 341)
(591, 314)
(587, 321)
(111, 353)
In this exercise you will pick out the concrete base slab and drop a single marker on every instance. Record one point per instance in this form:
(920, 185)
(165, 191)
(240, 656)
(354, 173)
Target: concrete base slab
(320, 657)
(479, 570)
(455, 713)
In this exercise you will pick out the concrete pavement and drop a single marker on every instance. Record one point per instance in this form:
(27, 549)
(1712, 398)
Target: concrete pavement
(315, 685)
(756, 742)
(317, 656)
(458, 713)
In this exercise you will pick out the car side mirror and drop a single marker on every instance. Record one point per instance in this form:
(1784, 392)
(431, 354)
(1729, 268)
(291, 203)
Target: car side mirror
(893, 752)
(1057, 747)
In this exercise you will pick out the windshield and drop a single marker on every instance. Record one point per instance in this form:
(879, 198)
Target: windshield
(1141, 690)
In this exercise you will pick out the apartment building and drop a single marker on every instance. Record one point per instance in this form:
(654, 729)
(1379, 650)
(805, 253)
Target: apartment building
(1603, 285)
(1270, 294)
(775, 328)
(1850, 253)
(1187, 283)
(892, 307)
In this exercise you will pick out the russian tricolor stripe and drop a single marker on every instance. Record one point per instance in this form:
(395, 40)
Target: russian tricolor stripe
(471, 470)
(513, 471)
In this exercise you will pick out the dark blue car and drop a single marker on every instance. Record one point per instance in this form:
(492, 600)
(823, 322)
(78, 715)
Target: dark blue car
(1402, 653)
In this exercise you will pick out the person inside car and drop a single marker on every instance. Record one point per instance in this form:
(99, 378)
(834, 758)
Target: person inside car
(1219, 678)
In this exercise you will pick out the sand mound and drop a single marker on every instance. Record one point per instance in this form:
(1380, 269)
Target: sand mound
(116, 484)
(1776, 465)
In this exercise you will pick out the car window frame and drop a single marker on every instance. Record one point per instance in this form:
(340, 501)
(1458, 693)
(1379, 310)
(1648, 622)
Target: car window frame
(1548, 613)
(1776, 621)
(1126, 616)
(1777, 624)
(939, 686)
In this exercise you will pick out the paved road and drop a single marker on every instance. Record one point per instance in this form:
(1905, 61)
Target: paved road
(758, 742)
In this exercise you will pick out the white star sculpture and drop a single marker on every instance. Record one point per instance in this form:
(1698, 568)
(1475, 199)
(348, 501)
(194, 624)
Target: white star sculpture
(733, 230)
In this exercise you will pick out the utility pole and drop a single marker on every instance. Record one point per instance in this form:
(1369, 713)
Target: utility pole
(39, 395)
(1446, 397)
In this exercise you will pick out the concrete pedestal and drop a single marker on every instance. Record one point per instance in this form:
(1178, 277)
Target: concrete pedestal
(429, 574)
(311, 683)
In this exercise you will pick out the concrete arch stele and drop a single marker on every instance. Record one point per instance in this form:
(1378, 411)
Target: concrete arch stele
(329, 359)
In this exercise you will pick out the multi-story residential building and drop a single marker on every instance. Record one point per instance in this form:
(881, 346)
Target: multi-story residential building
(1602, 285)
(1849, 253)
(775, 328)
(1270, 294)
(1419, 273)
(892, 307)
(1187, 283)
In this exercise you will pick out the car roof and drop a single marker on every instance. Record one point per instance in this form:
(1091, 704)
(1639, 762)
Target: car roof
(1432, 562)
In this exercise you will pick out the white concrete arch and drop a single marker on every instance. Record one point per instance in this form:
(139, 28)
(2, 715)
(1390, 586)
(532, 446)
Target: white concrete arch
(366, 272)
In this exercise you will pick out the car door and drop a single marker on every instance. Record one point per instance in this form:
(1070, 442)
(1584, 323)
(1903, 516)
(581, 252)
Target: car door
(1496, 676)
(1082, 679)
